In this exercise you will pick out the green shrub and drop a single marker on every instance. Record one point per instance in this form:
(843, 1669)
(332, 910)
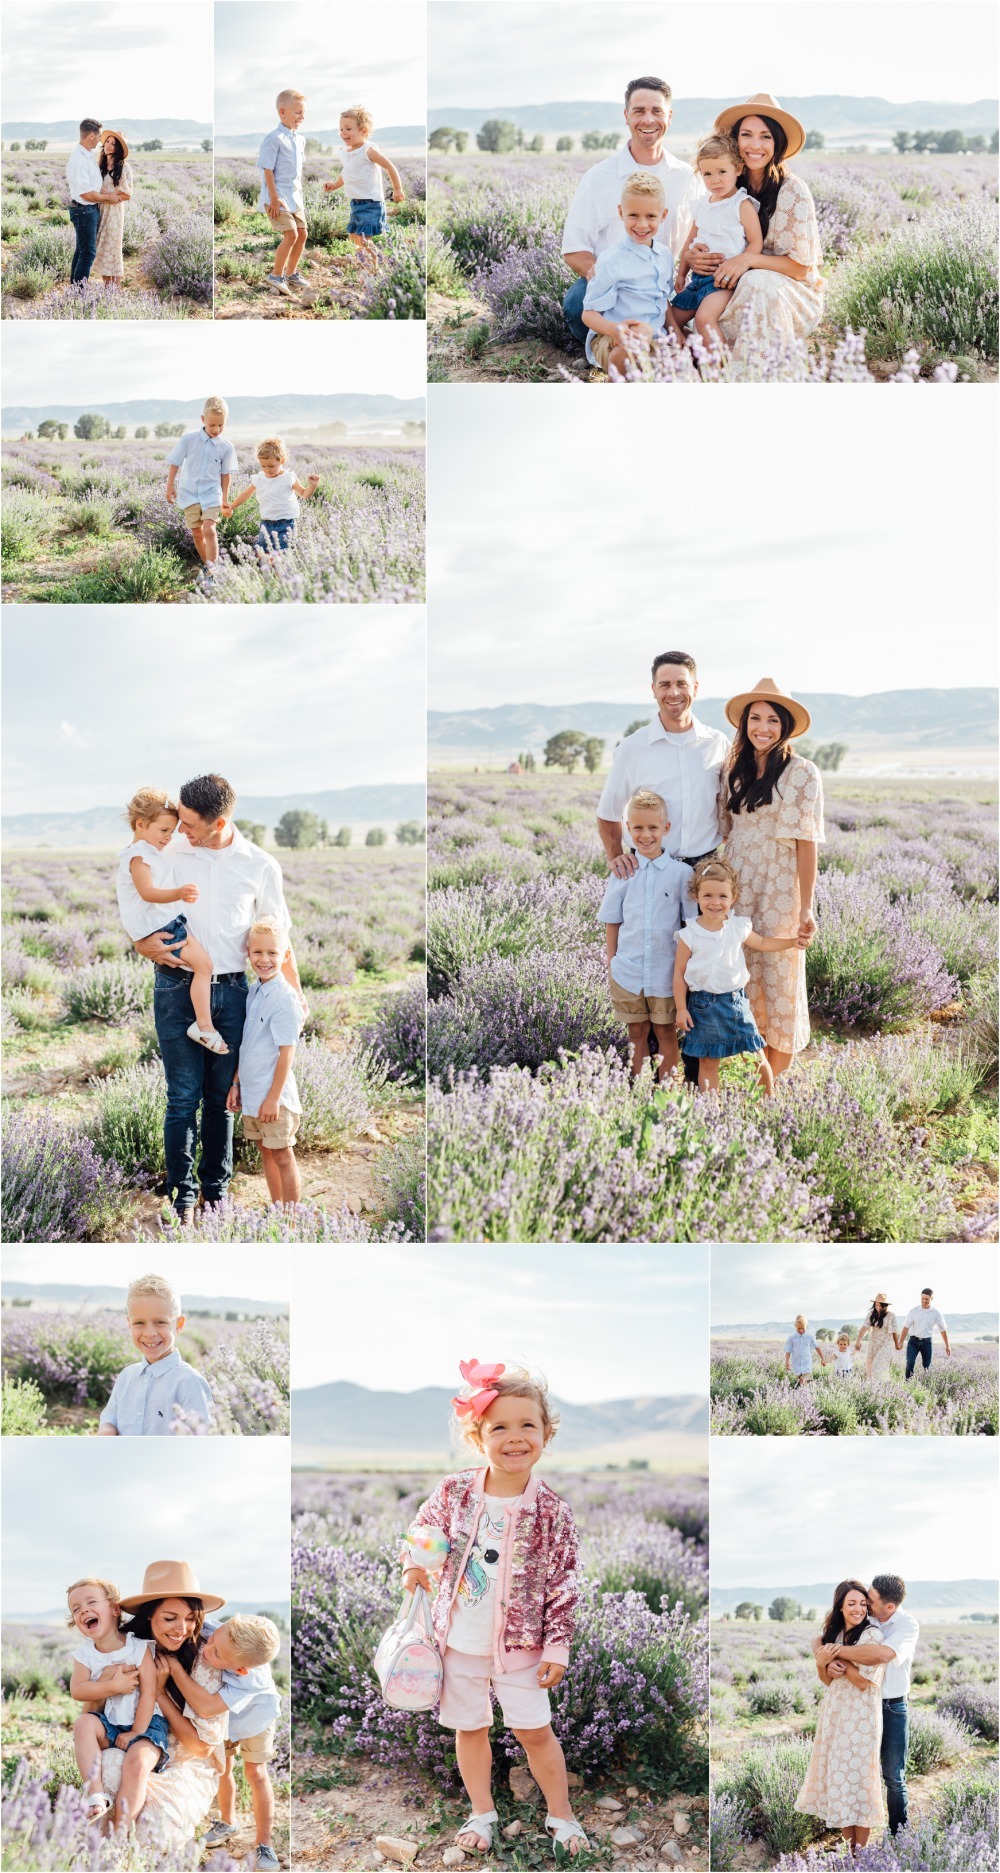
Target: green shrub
(765, 1780)
(25, 519)
(114, 992)
(127, 1124)
(23, 1409)
(126, 577)
(931, 284)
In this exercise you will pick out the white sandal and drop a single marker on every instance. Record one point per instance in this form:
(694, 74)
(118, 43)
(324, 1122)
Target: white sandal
(97, 1805)
(563, 1832)
(207, 1037)
(481, 1825)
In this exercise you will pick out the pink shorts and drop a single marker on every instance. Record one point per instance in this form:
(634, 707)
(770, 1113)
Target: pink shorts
(465, 1699)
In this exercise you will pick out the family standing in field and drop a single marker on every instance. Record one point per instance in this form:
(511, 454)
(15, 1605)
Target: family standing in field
(879, 1328)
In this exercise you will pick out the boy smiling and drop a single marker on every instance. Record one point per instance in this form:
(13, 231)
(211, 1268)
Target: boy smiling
(264, 1089)
(144, 1395)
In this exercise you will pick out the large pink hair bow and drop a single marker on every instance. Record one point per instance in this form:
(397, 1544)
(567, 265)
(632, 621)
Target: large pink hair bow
(482, 1377)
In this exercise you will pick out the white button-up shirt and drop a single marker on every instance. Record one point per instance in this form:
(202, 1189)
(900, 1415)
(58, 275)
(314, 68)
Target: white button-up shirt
(236, 884)
(251, 1697)
(143, 1396)
(684, 769)
(921, 1322)
(202, 460)
(650, 906)
(902, 1633)
(593, 222)
(273, 1019)
(83, 175)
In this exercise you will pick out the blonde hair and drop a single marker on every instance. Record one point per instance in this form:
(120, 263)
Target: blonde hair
(272, 445)
(720, 871)
(215, 406)
(284, 98)
(717, 145)
(804, 1319)
(273, 928)
(843, 1336)
(640, 184)
(147, 804)
(515, 1382)
(364, 119)
(645, 798)
(154, 1284)
(110, 1591)
(254, 1639)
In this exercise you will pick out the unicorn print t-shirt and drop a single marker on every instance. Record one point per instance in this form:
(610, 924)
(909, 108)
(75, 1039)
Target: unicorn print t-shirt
(471, 1627)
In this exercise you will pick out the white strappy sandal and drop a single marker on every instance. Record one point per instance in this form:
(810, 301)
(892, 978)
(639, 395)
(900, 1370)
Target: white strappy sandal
(207, 1037)
(97, 1805)
(563, 1832)
(482, 1825)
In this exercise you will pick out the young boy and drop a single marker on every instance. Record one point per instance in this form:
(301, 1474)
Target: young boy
(277, 489)
(242, 1649)
(727, 224)
(800, 1351)
(361, 179)
(206, 460)
(631, 286)
(279, 160)
(143, 1396)
(264, 1089)
(643, 915)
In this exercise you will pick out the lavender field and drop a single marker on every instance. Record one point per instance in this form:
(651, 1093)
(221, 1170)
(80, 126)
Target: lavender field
(167, 245)
(910, 269)
(883, 1130)
(84, 1088)
(89, 523)
(631, 1712)
(339, 287)
(753, 1396)
(764, 1698)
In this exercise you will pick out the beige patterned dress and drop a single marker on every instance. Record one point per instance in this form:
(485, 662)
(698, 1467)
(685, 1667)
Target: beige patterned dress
(180, 1795)
(780, 309)
(760, 848)
(843, 1782)
(880, 1349)
(108, 261)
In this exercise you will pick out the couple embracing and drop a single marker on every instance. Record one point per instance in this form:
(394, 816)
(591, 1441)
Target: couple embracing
(100, 187)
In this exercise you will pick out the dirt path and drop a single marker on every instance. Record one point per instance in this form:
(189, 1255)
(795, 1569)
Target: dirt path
(459, 355)
(334, 291)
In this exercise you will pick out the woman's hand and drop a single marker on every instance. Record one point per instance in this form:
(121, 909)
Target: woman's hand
(732, 270)
(119, 1680)
(550, 1675)
(807, 925)
(416, 1577)
(161, 1666)
(702, 260)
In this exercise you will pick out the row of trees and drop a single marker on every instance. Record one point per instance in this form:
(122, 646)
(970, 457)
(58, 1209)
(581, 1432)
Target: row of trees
(498, 136)
(300, 831)
(781, 1609)
(944, 142)
(570, 746)
(93, 428)
(155, 143)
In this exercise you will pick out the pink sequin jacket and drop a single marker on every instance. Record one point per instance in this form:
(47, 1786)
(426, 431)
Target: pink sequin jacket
(536, 1584)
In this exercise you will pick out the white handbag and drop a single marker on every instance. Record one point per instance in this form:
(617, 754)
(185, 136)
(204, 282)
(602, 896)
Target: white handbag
(407, 1660)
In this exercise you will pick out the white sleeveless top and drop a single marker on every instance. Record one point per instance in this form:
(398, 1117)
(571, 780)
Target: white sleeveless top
(362, 179)
(719, 225)
(717, 962)
(141, 919)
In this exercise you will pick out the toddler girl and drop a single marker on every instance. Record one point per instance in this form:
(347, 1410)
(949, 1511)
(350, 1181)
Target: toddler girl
(727, 224)
(844, 1363)
(504, 1607)
(153, 819)
(115, 1677)
(710, 977)
(277, 488)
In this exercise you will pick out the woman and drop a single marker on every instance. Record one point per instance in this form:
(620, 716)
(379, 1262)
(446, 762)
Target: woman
(880, 1330)
(116, 190)
(771, 819)
(778, 293)
(843, 1783)
(170, 1611)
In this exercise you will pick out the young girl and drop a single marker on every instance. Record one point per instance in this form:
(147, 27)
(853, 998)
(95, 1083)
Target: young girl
(361, 179)
(844, 1364)
(504, 1607)
(153, 819)
(115, 1677)
(726, 224)
(710, 977)
(277, 488)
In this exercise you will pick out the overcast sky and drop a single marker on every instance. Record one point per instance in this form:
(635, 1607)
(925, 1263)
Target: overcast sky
(193, 358)
(109, 59)
(530, 54)
(780, 1281)
(787, 1511)
(114, 1505)
(280, 701)
(254, 1276)
(338, 54)
(765, 538)
(600, 1323)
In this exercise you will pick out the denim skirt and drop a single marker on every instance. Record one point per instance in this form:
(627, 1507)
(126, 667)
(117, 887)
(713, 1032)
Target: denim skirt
(723, 1026)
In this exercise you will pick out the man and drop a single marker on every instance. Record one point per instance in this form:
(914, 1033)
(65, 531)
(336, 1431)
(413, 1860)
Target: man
(593, 224)
(900, 1633)
(236, 883)
(918, 1332)
(84, 180)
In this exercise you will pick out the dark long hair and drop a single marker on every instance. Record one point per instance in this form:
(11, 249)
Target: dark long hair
(876, 1318)
(186, 1653)
(747, 789)
(117, 165)
(766, 196)
(835, 1622)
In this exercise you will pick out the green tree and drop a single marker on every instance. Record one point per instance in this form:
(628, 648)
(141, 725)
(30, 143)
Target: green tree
(593, 749)
(975, 144)
(206, 143)
(783, 1608)
(536, 145)
(611, 139)
(529, 763)
(410, 832)
(565, 749)
(119, 433)
(497, 136)
(902, 141)
(376, 835)
(758, 1610)
(37, 143)
(829, 755)
(745, 1609)
(343, 837)
(250, 830)
(824, 1333)
(641, 721)
(169, 429)
(811, 1615)
(923, 140)
(49, 429)
(141, 433)
(15, 146)
(442, 138)
(564, 145)
(298, 830)
(461, 141)
(815, 140)
(994, 143)
(590, 140)
(846, 1328)
(950, 142)
(91, 428)
(155, 143)
(313, 146)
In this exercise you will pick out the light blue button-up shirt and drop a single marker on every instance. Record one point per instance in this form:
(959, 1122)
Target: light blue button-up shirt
(631, 281)
(650, 906)
(802, 1346)
(273, 1019)
(202, 460)
(282, 151)
(251, 1698)
(143, 1396)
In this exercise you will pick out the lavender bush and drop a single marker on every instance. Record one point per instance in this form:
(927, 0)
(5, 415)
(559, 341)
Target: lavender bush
(72, 1357)
(115, 992)
(40, 1833)
(23, 1410)
(55, 1186)
(729, 1830)
(523, 1011)
(249, 1379)
(753, 1396)
(398, 1035)
(974, 1706)
(307, 1222)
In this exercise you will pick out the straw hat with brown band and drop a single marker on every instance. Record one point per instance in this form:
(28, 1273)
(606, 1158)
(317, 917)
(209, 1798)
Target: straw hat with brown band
(105, 134)
(170, 1580)
(767, 690)
(762, 104)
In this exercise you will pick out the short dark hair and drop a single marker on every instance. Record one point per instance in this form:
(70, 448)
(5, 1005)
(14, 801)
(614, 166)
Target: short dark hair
(210, 796)
(675, 656)
(927, 1290)
(890, 1587)
(88, 126)
(647, 84)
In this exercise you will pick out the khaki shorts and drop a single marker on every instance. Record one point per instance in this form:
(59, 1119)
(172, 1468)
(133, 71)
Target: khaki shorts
(288, 222)
(258, 1748)
(602, 345)
(195, 514)
(277, 1133)
(660, 1009)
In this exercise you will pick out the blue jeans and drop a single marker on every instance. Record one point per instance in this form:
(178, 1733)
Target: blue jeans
(86, 219)
(276, 535)
(197, 1078)
(573, 310)
(157, 1732)
(696, 288)
(367, 218)
(895, 1736)
(918, 1349)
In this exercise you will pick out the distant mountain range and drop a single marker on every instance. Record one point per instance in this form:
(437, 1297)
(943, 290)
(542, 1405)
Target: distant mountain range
(68, 1294)
(886, 720)
(137, 129)
(102, 826)
(384, 136)
(354, 407)
(774, 1329)
(842, 120)
(970, 1596)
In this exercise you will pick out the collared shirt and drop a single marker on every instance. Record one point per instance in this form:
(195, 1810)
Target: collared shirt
(144, 1395)
(83, 175)
(650, 907)
(273, 1019)
(282, 151)
(802, 1347)
(236, 883)
(684, 769)
(251, 1698)
(593, 222)
(920, 1322)
(902, 1633)
(202, 460)
(633, 280)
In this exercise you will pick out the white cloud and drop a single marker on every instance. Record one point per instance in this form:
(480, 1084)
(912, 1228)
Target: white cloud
(118, 61)
(330, 52)
(778, 1281)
